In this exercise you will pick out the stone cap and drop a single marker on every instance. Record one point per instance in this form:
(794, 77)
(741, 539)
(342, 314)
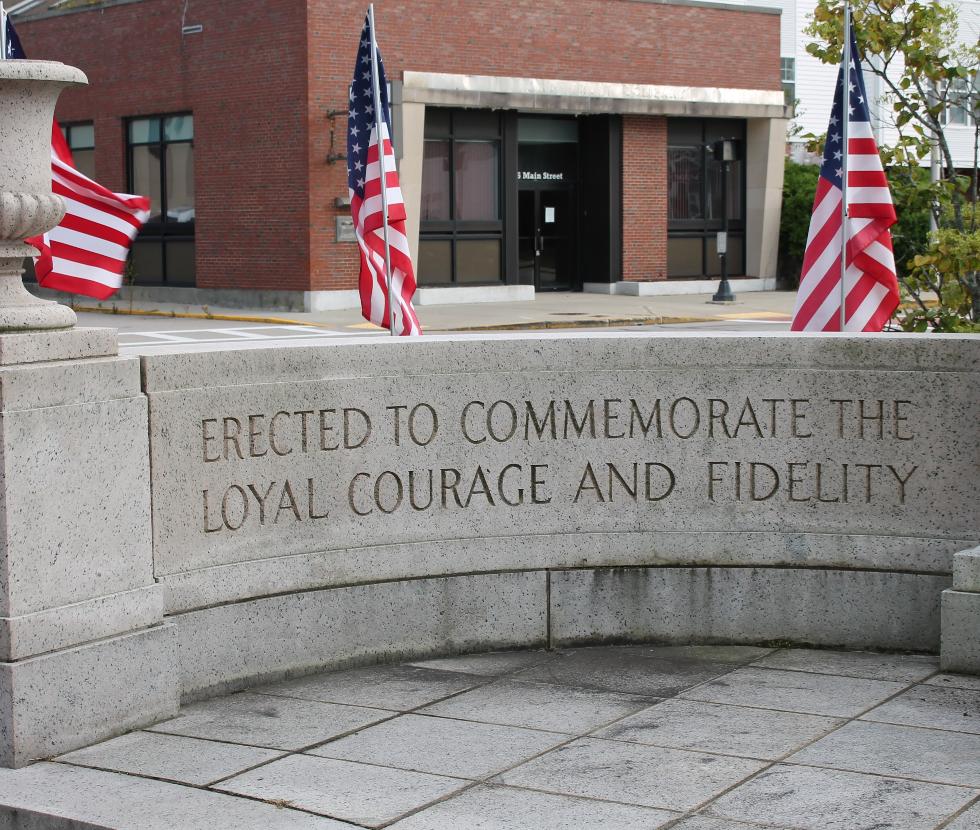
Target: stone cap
(966, 570)
(23, 70)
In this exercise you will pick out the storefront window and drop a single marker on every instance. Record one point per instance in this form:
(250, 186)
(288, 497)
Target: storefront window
(161, 166)
(461, 235)
(696, 208)
(81, 141)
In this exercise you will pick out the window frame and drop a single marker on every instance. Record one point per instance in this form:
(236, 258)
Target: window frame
(461, 230)
(162, 230)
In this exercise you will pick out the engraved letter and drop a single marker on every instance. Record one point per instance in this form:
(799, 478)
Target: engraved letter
(254, 432)
(433, 425)
(348, 428)
(500, 486)
(531, 417)
(673, 418)
(224, 507)
(274, 439)
(287, 501)
(231, 437)
(350, 495)
(261, 500)
(712, 479)
(206, 438)
(589, 474)
(670, 483)
(465, 428)
(793, 481)
(536, 483)
(207, 528)
(752, 482)
(902, 481)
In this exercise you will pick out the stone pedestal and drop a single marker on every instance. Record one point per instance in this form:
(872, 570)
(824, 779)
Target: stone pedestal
(961, 615)
(84, 652)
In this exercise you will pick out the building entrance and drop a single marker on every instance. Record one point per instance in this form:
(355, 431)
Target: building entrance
(547, 213)
(546, 238)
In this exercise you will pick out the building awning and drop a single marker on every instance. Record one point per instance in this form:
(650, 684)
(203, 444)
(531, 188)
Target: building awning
(590, 97)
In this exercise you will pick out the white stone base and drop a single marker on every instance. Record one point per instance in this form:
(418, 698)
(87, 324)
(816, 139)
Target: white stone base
(330, 300)
(68, 699)
(458, 295)
(672, 288)
(961, 615)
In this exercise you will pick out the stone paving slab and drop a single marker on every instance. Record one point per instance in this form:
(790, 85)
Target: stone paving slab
(441, 746)
(906, 751)
(494, 663)
(648, 776)
(274, 722)
(632, 670)
(171, 757)
(791, 691)
(903, 668)
(540, 706)
(713, 727)
(820, 799)
(955, 709)
(124, 802)
(746, 739)
(361, 793)
(384, 687)
(491, 807)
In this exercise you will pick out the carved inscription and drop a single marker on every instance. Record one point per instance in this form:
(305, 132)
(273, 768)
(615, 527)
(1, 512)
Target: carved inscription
(738, 463)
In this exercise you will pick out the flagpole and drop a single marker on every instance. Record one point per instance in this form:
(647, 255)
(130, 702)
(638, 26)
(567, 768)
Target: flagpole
(379, 119)
(845, 117)
(3, 32)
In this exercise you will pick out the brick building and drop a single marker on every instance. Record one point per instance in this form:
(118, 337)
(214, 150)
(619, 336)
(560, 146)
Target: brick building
(559, 145)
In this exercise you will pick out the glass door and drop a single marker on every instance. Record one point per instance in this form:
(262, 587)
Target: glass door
(546, 238)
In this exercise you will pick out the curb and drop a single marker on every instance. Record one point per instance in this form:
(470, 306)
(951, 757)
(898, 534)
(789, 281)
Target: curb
(581, 324)
(193, 315)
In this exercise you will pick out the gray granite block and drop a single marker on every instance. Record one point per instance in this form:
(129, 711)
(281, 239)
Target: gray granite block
(67, 699)
(230, 646)
(384, 687)
(491, 664)
(360, 793)
(67, 797)
(967, 820)
(966, 570)
(887, 749)
(905, 668)
(624, 670)
(957, 710)
(955, 681)
(172, 757)
(712, 727)
(441, 746)
(540, 706)
(60, 344)
(702, 822)
(790, 691)
(709, 653)
(266, 721)
(648, 776)
(820, 799)
(490, 807)
(859, 609)
(960, 649)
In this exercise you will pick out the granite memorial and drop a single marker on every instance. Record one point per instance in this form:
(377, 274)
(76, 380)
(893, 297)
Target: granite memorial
(184, 524)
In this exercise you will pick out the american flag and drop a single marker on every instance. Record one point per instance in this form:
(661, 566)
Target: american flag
(85, 254)
(871, 284)
(364, 186)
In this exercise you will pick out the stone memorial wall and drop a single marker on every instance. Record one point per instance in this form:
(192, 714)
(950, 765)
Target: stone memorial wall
(317, 506)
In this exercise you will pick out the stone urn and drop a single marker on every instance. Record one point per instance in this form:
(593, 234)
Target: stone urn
(28, 93)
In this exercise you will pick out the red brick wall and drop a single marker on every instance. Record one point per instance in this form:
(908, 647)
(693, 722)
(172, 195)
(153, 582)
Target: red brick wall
(644, 198)
(244, 79)
(590, 40)
(262, 76)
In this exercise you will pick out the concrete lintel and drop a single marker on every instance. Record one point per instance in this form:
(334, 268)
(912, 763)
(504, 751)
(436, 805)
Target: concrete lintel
(474, 294)
(581, 97)
(668, 288)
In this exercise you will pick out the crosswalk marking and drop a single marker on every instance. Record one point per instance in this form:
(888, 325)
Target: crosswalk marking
(252, 334)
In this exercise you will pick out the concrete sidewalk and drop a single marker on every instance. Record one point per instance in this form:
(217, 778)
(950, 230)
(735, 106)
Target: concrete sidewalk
(547, 310)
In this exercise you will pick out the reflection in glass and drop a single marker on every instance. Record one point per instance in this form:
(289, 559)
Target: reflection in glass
(684, 257)
(147, 258)
(435, 262)
(684, 182)
(435, 181)
(478, 260)
(180, 182)
(144, 131)
(178, 128)
(146, 177)
(476, 180)
(84, 162)
(180, 262)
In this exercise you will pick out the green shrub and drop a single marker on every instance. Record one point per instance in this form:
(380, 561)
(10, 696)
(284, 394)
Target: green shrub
(799, 188)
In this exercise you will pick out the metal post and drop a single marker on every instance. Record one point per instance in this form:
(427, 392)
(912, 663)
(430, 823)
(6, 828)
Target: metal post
(379, 119)
(845, 116)
(3, 32)
(724, 292)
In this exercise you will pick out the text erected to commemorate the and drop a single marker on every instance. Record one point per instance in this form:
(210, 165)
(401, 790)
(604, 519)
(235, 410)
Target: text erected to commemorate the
(715, 450)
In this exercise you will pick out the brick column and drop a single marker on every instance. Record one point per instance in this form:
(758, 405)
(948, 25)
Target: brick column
(644, 198)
